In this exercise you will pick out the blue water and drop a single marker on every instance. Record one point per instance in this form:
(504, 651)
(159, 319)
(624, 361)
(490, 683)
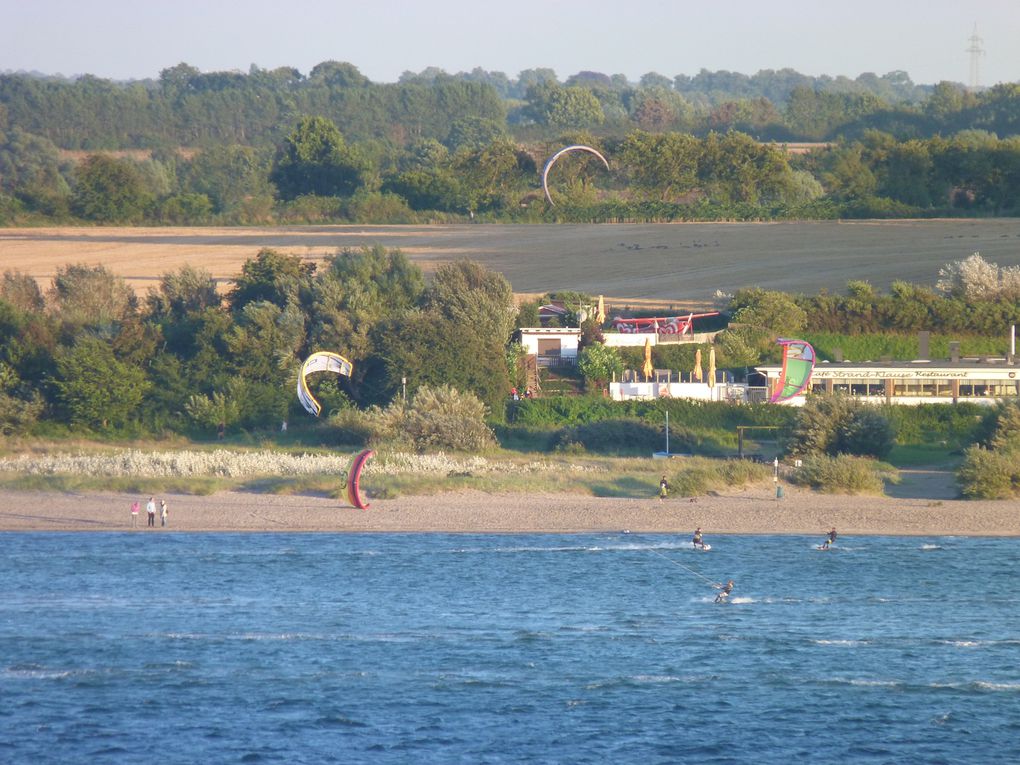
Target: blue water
(294, 648)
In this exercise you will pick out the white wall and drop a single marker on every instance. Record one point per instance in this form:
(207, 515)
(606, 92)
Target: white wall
(620, 391)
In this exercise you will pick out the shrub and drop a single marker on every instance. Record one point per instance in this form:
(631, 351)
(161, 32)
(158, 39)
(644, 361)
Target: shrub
(441, 418)
(699, 476)
(835, 425)
(621, 436)
(18, 415)
(842, 474)
(986, 474)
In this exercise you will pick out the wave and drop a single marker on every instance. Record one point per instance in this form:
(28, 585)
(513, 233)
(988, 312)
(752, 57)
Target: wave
(842, 643)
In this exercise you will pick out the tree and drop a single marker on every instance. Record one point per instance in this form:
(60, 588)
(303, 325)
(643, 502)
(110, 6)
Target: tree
(338, 74)
(664, 166)
(557, 106)
(271, 276)
(354, 291)
(315, 159)
(22, 291)
(182, 292)
(767, 311)
(229, 176)
(599, 364)
(96, 389)
(84, 296)
(109, 190)
(457, 338)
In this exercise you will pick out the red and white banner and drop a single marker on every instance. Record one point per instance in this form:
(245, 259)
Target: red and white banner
(668, 325)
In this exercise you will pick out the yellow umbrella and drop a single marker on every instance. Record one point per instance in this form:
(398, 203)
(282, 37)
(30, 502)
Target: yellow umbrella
(711, 367)
(600, 312)
(698, 374)
(647, 369)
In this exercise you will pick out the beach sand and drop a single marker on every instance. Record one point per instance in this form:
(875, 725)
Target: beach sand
(752, 511)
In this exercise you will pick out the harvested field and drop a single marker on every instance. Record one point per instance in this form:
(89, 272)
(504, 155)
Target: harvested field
(646, 264)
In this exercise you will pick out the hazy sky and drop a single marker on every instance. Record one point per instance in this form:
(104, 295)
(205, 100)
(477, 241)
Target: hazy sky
(383, 38)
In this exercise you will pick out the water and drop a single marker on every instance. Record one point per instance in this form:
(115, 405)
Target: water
(434, 648)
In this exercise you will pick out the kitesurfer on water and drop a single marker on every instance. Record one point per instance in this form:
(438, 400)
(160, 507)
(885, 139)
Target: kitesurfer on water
(830, 539)
(724, 591)
(696, 539)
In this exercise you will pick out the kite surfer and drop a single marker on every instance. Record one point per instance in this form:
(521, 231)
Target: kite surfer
(724, 591)
(830, 539)
(696, 540)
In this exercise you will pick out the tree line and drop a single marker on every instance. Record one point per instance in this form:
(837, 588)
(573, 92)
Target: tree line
(88, 354)
(187, 107)
(317, 174)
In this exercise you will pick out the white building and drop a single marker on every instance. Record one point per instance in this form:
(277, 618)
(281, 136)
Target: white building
(913, 382)
(552, 346)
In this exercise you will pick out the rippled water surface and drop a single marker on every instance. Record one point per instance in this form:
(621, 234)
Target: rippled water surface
(433, 648)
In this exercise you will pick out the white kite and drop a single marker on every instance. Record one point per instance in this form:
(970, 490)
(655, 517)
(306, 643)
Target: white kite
(556, 156)
(322, 361)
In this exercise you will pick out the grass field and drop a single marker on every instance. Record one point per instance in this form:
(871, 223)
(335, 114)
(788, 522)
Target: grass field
(633, 265)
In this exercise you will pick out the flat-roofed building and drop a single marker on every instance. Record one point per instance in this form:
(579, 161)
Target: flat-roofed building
(981, 380)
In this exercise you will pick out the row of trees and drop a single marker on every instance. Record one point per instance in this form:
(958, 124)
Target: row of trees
(317, 174)
(87, 353)
(186, 107)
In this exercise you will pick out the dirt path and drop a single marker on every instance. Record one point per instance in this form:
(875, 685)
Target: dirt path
(924, 483)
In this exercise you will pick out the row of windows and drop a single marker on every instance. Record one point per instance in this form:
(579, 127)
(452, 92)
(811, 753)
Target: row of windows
(921, 388)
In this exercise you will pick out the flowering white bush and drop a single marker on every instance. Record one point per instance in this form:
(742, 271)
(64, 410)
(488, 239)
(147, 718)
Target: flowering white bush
(977, 279)
(230, 464)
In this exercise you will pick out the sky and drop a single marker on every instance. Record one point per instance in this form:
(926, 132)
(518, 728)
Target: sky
(136, 39)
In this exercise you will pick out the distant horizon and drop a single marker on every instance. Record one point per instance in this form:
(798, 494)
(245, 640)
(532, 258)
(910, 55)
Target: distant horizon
(130, 41)
(561, 77)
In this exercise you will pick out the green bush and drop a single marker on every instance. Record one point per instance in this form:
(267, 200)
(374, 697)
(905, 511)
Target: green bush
(842, 474)
(693, 415)
(622, 436)
(443, 418)
(955, 426)
(697, 475)
(835, 425)
(986, 474)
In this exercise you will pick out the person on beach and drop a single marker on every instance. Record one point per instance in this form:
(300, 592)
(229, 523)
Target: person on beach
(724, 591)
(134, 514)
(830, 539)
(663, 488)
(696, 540)
(163, 515)
(150, 510)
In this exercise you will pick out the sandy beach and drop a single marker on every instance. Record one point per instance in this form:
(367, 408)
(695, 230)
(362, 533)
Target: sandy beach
(753, 511)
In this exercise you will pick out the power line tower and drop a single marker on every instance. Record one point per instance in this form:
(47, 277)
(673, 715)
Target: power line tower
(976, 52)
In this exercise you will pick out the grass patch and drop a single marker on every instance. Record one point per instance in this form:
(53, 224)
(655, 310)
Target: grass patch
(844, 474)
(66, 482)
(913, 455)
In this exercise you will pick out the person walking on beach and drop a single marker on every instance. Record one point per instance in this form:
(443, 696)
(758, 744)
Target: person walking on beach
(150, 510)
(697, 541)
(134, 514)
(830, 539)
(663, 488)
(163, 517)
(724, 591)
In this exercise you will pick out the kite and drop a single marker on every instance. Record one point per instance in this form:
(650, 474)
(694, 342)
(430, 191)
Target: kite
(556, 156)
(354, 479)
(322, 361)
(798, 363)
